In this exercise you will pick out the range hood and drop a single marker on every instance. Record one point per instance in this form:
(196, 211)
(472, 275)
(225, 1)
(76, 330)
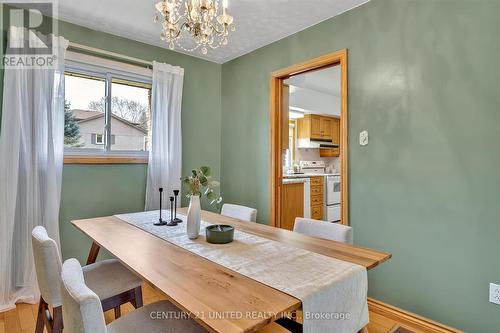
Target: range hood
(310, 143)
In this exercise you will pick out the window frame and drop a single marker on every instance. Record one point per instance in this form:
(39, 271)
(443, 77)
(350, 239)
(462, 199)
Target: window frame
(120, 71)
(99, 142)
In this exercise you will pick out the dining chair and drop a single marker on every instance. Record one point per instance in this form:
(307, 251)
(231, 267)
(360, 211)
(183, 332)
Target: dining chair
(109, 279)
(83, 312)
(239, 212)
(322, 229)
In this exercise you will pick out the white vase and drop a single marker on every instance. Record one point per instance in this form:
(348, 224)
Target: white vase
(193, 217)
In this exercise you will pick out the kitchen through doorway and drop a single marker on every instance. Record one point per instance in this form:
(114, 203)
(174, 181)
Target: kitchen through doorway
(309, 141)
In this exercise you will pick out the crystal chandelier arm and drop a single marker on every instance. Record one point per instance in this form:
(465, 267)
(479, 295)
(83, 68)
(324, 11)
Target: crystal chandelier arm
(219, 32)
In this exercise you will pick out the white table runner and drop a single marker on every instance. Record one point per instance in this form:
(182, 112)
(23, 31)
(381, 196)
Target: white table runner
(333, 292)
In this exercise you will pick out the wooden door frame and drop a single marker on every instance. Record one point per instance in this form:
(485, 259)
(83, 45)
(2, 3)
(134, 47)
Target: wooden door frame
(276, 173)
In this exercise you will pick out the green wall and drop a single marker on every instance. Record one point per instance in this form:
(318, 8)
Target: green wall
(99, 190)
(423, 80)
(89, 191)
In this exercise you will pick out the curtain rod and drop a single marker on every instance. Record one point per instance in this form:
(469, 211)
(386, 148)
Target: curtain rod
(86, 48)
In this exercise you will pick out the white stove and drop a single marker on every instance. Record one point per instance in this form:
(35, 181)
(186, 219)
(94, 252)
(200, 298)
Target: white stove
(332, 199)
(309, 167)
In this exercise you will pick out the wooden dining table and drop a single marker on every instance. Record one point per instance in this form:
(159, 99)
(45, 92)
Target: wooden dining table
(219, 299)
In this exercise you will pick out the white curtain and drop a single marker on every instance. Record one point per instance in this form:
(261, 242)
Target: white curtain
(165, 157)
(31, 160)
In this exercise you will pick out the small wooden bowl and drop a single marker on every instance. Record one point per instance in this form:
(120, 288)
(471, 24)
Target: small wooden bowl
(219, 234)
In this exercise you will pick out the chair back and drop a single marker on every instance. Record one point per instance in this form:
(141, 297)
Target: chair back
(82, 309)
(322, 229)
(239, 212)
(47, 265)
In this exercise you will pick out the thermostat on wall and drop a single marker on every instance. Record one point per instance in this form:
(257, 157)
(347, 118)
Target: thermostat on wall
(363, 138)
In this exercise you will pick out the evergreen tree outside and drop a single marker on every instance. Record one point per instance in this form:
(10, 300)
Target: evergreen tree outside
(71, 128)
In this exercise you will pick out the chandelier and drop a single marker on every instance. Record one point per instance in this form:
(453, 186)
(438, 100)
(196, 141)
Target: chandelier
(203, 20)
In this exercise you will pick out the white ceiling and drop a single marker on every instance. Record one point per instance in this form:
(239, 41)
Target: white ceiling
(258, 22)
(316, 92)
(324, 80)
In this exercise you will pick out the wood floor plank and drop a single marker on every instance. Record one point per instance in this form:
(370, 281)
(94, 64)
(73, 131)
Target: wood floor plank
(12, 323)
(109, 316)
(376, 328)
(26, 318)
(381, 321)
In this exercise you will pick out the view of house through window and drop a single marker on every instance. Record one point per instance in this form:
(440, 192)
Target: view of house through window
(130, 111)
(85, 114)
(83, 123)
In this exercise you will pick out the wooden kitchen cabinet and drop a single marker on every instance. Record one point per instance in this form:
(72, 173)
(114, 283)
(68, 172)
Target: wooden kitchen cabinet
(336, 131)
(316, 200)
(293, 201)
(317, 197)
(317, 212)
(326, 127)
(292, 204)
(315, 127)
(333, 152)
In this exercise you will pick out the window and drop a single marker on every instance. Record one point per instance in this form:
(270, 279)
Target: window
(84, 121)
(290, 152)
(106, 111)
(130, 112)
(99, 139)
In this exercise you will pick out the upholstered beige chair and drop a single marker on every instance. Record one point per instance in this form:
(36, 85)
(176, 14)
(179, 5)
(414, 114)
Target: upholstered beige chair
(109, 279)
(82, 310)
(322, 229)
(239, 212)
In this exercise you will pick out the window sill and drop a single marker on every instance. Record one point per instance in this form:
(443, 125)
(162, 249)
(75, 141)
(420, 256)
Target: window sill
(109, 159)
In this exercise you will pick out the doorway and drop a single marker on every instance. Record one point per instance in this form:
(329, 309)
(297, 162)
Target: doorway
(312, 129)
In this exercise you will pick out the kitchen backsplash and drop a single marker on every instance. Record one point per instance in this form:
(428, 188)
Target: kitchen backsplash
(332, 163)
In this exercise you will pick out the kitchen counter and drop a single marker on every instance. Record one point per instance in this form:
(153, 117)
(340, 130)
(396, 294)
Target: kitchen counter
(295, 180)
(307, 175)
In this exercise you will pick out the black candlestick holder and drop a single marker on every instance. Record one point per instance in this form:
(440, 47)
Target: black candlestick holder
(160, 220)
(172, 222)
(176, 219)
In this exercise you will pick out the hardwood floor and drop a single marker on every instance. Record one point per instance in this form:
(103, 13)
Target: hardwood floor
(22, 319)
(381, 324)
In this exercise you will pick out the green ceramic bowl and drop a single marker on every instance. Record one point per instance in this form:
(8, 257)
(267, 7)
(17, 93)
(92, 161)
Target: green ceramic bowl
(219, 234)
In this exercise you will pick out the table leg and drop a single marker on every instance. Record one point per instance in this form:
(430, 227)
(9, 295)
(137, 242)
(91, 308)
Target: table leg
(94, 251)
(290, 325)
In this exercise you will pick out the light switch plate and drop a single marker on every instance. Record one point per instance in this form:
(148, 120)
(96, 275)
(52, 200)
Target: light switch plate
(363, 138)
(495, 293)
